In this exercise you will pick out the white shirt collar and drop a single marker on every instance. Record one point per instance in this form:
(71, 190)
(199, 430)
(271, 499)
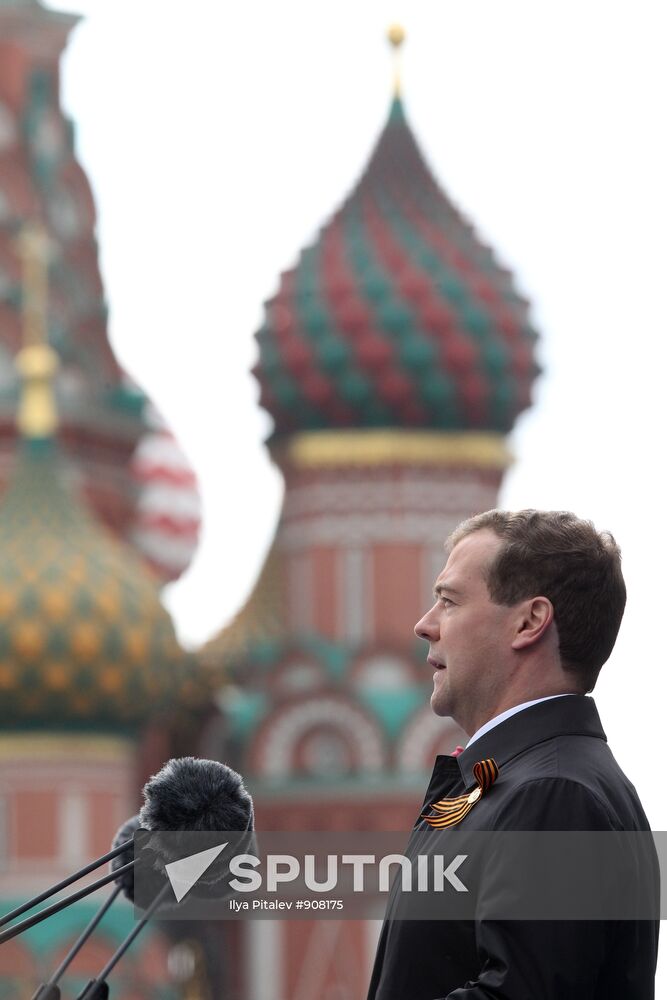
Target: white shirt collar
(512, 711)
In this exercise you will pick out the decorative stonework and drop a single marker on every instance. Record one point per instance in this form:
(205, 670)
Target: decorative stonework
(276, 749)
(354, 530)
(332, 449)
(382, 670)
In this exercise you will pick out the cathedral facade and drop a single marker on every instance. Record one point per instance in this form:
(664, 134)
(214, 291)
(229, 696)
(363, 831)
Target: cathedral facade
(394, 359)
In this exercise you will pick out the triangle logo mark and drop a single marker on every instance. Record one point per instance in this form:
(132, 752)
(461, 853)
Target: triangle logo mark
(185, 872)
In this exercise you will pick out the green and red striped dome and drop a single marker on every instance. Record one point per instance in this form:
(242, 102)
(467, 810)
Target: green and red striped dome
(397, 316)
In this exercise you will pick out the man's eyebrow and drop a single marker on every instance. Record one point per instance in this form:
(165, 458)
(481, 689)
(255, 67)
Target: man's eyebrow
(443, 588)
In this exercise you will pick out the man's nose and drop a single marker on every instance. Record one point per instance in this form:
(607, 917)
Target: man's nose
(427, 627)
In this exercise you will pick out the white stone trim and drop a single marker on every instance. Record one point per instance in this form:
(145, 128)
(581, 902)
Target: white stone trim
(73, 829)
(284, 732)
(355, 598)
(448, 493)
(264, 954)
(361, 529)
(301, 590)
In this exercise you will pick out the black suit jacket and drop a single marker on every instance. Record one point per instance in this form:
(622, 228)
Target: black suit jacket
(556, 773)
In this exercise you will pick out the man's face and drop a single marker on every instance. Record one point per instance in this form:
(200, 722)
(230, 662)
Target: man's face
(469, 636)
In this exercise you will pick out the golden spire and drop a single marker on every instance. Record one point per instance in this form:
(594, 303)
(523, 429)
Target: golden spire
(36, 362)
(396, 36)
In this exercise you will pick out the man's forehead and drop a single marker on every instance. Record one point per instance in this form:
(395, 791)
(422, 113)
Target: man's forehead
(470, 556)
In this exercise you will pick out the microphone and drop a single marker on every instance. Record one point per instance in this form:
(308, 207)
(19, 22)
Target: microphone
(124, 883)
(98, 989)
(187, 794)
(190, 793)
(125, 836)
(51, 990)
(61, 904)
(52, 890)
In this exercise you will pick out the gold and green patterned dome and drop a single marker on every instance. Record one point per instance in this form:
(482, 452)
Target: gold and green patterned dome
(84, 638)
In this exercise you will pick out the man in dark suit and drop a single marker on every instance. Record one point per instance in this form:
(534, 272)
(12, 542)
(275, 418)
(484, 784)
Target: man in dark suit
(527, 610)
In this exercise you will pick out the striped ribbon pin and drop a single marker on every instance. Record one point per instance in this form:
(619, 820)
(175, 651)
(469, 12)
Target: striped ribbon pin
(449, 812)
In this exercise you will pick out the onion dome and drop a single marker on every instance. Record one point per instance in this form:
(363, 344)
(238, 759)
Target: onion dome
(84, 638)
(103, 415)
(397, 315)
(169, 508)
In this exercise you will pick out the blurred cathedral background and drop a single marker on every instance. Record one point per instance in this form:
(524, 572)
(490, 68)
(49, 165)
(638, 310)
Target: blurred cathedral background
(394, 359)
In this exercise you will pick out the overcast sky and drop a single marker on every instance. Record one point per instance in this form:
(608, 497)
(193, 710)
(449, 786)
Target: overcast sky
(218, 137)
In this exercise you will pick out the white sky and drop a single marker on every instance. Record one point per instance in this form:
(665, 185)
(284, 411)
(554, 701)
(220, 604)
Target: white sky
(218, 137)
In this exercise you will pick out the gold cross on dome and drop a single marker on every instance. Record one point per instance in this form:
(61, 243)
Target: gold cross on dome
(396, 37)
(37, 363)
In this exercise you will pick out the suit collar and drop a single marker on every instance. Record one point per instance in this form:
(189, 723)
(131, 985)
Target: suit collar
(575, 715)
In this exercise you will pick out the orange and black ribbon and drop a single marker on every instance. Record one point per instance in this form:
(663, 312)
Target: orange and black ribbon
(449, 812)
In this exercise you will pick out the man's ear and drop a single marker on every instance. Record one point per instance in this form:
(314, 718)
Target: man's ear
(533, 619)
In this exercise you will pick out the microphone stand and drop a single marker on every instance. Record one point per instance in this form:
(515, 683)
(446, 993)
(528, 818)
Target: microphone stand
(51, 990)
(60, 904)
(98, 989)
(17, 911)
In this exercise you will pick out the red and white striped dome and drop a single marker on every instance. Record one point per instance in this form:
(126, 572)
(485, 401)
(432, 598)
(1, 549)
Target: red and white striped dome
(168, 508)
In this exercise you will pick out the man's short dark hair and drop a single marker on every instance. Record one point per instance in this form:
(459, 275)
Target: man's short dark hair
(554, 554)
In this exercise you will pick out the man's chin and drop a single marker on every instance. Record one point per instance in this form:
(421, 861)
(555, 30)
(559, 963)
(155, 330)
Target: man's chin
(439, 705)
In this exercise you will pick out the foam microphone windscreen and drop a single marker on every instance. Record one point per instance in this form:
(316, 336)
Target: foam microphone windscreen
(190, 793)
(125, 832)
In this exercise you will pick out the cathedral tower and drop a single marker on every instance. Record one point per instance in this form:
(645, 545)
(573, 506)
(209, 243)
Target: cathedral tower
(394, 359)
(89, 664)
(131, 470)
